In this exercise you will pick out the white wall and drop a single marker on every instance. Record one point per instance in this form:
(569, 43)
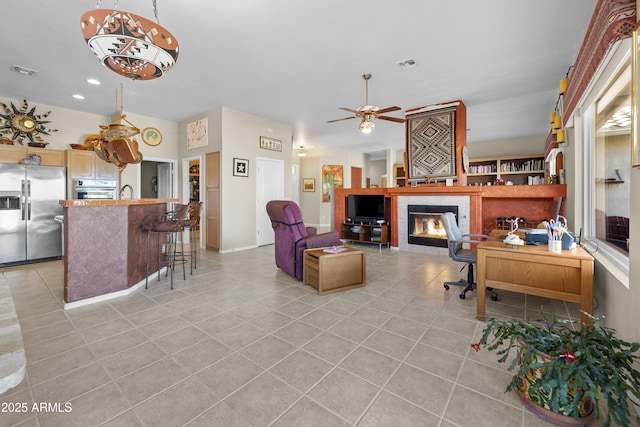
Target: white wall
(507, 147)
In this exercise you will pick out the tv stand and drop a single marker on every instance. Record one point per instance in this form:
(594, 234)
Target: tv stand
(360, 232)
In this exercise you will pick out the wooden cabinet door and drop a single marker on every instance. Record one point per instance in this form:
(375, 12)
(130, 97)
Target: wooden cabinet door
(80, 163)
(212, 202)
(104, 170)
(12, 153)
(49, 157)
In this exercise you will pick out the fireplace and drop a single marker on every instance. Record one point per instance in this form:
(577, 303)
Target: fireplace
(426, 226)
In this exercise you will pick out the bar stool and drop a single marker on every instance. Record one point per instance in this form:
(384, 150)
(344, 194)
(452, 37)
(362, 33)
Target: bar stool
(191, 223)
(161, 224)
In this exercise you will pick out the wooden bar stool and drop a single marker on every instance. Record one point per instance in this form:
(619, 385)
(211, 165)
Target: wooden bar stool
(160, 224)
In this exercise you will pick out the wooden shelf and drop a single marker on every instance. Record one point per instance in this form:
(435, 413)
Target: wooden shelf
(377, 234)
(520, 170)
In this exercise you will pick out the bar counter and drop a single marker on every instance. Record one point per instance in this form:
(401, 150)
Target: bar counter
(105, 246)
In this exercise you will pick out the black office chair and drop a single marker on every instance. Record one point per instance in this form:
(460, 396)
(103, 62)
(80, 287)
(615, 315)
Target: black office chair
(455, 239)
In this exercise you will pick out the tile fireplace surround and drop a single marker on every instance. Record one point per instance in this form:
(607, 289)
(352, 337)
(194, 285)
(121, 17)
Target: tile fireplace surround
(463, 203)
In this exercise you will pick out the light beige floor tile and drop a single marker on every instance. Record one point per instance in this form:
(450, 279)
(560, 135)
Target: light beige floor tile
(371, 316)
(67, 386)
(90, 409)
(163, 326)
(297, 333)
(389, 410)
(307, 413)
(47, 348)
(295, 309)
(59, 364)
(268, 351)
(405, 327)
(352, 330)
(446, 340)
(301, 370)
(117, 343)
(390, 344)
(108, 314)
(222, 322)
(150, 315)
(229, 374)
(220, 415)
(180, 339)
(321, 318)
(132, 359)
(271, 321)
(386, 305)
(21, 404)
(344, 393)
(435, 361)
(370, 365)
(201, 355)
(470, 409)
(240, 336)
(177, 405)
(127, 419)
(47, 332)
(491, 382)
(341, 306)
(151, 379)
(35, 322)
(329, 347)
(105, 330)
(421, 388)
(262, 400)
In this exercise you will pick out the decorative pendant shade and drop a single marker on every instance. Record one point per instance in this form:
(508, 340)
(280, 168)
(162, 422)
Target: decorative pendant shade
(128, 44)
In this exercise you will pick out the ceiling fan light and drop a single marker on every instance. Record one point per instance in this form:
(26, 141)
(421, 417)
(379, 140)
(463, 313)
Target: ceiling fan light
(366, 126)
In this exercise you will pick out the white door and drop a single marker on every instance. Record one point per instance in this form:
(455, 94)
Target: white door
(270, 183)
(165, 181)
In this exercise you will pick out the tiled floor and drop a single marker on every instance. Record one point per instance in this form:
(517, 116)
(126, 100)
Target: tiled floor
(239, 343)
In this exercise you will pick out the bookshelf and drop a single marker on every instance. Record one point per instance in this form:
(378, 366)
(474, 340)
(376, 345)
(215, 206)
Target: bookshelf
(520, 170)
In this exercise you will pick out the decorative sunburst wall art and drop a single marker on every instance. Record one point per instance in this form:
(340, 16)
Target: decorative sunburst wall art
(24, 123)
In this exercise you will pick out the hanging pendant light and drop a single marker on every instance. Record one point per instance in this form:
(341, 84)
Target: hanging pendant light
(128, 44)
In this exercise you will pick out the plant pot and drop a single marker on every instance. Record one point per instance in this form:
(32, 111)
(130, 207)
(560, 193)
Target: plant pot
(536, 400)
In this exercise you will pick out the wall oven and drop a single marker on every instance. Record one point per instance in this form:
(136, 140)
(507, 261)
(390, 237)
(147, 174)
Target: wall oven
(95, 189)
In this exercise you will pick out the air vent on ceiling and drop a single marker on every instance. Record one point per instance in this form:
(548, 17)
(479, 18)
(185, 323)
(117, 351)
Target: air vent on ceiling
(407, 63)
(23, 70)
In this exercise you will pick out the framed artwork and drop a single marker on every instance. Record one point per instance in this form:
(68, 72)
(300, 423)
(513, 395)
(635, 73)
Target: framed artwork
(635, 102)
(151, 136)
(308, 184)
(331, 178)
(197, 134)
(240, 167)
(270, 144)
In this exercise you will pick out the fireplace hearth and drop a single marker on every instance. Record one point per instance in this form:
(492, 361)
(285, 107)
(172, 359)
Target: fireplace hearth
(426, 226)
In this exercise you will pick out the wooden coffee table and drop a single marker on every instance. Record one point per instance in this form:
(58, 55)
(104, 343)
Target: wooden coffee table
(332, 272)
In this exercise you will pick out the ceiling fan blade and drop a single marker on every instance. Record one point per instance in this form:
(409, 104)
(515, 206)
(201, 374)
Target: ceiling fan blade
(392, 119)
(388, 110)
(348, 109)
(339, 120)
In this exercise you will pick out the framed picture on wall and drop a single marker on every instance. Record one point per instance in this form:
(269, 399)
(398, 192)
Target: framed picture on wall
(240, 167)
(270, 144)
(308, 184)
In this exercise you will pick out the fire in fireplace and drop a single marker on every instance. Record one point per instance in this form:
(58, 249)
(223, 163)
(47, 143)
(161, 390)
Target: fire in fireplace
(426, 226)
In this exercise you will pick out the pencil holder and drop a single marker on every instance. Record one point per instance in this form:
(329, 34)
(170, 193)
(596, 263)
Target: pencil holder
(555, 246)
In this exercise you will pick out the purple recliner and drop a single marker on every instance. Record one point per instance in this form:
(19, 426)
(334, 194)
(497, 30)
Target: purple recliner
(292, 237)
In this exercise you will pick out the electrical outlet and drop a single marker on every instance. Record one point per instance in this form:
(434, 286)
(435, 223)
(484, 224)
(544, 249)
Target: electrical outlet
(164, 249)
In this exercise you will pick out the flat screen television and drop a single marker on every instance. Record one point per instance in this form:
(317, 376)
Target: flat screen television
(366, 208)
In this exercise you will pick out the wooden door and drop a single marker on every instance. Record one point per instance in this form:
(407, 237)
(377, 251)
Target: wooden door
(356, 177)
(212, 201)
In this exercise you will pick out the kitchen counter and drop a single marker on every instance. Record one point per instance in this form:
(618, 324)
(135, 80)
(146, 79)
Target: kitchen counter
(105, 246)
(115, 202)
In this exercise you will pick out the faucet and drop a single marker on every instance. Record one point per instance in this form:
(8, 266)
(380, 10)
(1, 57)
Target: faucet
(130, 191)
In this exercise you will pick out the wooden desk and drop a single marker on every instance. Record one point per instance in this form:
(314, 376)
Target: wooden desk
(533, 270)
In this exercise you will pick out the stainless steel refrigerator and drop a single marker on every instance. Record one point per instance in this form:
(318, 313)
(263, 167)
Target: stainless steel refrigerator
(29, 200)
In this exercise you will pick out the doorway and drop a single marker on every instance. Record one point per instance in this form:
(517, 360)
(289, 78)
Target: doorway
(270, 186)
(157, 180)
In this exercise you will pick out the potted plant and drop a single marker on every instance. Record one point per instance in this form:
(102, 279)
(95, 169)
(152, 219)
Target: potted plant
(565, 367)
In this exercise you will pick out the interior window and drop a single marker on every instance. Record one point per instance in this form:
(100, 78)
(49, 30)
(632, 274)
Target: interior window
(611, 166)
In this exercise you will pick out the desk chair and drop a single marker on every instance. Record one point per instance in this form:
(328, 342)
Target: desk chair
(455, 239)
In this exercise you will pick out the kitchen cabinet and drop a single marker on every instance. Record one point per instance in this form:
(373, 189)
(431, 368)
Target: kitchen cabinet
(86, 164)
(15, 153)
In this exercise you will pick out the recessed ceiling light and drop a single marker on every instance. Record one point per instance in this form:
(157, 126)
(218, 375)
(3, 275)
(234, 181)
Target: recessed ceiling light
(78, 96)
(93, 81)
(407, 63)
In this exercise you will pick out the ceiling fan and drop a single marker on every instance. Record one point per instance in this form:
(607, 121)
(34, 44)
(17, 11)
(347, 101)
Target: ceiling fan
(367, 112)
